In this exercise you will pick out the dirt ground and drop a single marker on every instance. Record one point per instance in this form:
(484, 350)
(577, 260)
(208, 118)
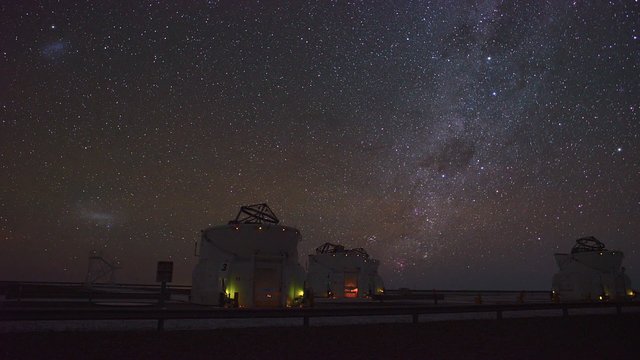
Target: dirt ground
(577, 337)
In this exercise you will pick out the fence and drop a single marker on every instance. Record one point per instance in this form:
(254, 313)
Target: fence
(467, 296)
(403, 302)
(22, 290)
(162, 314)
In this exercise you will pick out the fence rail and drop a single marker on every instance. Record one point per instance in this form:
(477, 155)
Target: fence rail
(403, 302)
(20, 290)
(48, 290)
(162, 314)
(467, 296)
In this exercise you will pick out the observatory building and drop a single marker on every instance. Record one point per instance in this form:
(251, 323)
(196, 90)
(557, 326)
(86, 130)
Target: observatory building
(336, 272)
(591, 273)
(249, 262)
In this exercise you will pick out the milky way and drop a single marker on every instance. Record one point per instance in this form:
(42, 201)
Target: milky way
(461, 144)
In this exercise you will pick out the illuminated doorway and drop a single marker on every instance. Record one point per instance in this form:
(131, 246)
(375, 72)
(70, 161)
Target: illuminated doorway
(267, 286)
(351, 284)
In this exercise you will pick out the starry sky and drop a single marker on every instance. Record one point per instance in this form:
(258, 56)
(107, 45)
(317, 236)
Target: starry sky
(461, 143)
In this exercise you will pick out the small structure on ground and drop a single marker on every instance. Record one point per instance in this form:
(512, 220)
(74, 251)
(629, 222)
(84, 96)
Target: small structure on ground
(100, 269)
(337, 272)
(250, 262)
(591, 273)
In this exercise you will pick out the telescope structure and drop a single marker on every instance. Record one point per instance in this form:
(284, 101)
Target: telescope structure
(337, 272)
(591, 273)
(250, 262)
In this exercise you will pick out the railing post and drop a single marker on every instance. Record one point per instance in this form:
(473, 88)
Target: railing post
(163, 290)
(478, 299)
(305, 321)
(499, 314)
(565, 311)
(415, 317)
(619, 309)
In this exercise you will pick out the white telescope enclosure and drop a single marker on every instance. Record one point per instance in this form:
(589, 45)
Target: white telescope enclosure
(336, 272)
(250, 262)
(591, 273)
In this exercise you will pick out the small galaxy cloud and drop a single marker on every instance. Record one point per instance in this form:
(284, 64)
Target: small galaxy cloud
(98, 218)
(55, 50)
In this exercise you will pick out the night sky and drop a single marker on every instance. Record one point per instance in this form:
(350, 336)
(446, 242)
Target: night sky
(460, 143)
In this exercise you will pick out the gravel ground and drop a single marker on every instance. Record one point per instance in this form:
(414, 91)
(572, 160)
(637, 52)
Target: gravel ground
(576, 337)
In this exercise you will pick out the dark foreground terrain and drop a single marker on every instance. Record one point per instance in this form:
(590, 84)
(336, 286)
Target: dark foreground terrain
(577, 337)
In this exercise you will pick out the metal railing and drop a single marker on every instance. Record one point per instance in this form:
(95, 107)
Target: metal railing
(402, 302)
(161, 314)
(25, 290)
(467, 296)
